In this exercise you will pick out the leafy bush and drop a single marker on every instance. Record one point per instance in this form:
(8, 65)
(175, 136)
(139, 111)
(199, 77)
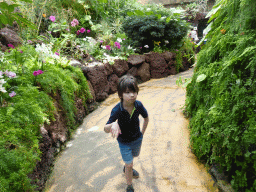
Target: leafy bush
(23, 113)
(148, 29)
(221, 97)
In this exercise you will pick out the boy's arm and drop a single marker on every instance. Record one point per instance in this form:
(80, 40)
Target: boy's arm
(145, 124)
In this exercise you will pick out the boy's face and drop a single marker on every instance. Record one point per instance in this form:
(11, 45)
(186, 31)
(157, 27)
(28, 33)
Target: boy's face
(129, 96)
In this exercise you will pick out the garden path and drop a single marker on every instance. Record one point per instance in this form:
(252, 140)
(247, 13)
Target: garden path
(92, 161)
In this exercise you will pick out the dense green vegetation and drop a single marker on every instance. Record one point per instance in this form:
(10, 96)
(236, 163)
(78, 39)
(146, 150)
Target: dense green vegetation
(27, 103)
(221, 97)
(37, 74)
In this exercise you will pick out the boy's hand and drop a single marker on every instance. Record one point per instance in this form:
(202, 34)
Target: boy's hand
(115, 130)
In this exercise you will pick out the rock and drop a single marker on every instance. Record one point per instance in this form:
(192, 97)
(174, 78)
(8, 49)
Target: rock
(109, 68)
(92, 106)
(101, 96)
(171, 63)
(172, 71)
(157, 74)
(92, 93)
(120, 67)
(8, 36)
(75, 63)
(168, 56)
(136, 59)
(3, 47)
(133, 71)
(158, 65)
(97, 75)
(113, 80)
(144, 72)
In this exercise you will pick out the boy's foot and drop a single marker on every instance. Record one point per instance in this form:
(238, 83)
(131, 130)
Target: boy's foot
(129, 188)
(135, 173)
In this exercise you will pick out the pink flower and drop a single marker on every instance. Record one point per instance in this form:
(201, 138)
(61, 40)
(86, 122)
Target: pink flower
(35, 73)
(108, 47)
(78, 32)
(12, 94)
(101, 41)
(88, 31)
(67, 29)
(82, 30)
(123, 39)
(74, 22)
(40, 72)
(21, 51)
(29, 42)
(176, 50)
(52, 18)
(10, 45)
(56, 53)
(10, 74)
(117, 44)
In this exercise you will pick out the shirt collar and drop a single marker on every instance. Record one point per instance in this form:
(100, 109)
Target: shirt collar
(122, 108)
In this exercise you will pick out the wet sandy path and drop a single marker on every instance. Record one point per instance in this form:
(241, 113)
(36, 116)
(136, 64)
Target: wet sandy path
(92, 161)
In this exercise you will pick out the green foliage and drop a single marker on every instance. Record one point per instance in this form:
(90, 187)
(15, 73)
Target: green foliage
(22, 115)
(148, 29)
(20, 122)
(221, 96)
(8, 15)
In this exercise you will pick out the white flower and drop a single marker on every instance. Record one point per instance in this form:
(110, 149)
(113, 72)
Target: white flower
(166, 41)
(162, 18)
(103, 47)
(146, 46)
(2, 89)
(43, 50)
(119, 40)
(129, 47)
(109, 58)
(148, 9)
(2, 81)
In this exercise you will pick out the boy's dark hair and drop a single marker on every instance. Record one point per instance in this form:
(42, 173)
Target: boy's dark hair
(127, 82)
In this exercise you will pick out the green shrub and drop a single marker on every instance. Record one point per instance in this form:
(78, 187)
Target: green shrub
(221, 96)
(22, 115)
(151, 29)
(19, 130)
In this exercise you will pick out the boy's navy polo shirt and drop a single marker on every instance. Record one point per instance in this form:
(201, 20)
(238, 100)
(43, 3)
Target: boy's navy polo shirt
(130, 126)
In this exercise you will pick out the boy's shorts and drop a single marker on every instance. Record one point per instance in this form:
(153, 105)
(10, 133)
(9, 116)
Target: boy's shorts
(130, 150)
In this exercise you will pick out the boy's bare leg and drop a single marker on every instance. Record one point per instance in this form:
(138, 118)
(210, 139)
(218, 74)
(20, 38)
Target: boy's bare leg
(128, 173)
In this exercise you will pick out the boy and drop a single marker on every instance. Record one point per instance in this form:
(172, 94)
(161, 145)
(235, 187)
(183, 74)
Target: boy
(124, 125)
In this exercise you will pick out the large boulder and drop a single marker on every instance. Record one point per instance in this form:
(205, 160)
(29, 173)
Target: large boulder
(9, 36)
(133, 71)
(168, 56)
(97, 75)
(92, 93)
(120, 67)
(136, 59)
(109, 68)
(144, 72)
(113, 80)
(172, 67)
(158, 65)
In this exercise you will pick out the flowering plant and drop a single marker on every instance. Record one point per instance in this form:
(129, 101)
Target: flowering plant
(4, 78)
